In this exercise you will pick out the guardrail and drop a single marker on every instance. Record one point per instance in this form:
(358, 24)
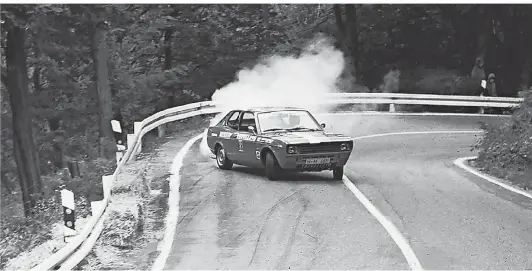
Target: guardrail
(77, 249)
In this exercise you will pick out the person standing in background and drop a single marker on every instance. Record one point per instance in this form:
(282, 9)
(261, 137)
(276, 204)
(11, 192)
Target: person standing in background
(491, 89)
(478, 72)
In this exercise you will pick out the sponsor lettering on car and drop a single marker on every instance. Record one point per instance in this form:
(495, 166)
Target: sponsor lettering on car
(225, 134)
(264, 140)
(246, 137)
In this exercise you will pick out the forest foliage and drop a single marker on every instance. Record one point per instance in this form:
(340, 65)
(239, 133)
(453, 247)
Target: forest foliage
(70, 69)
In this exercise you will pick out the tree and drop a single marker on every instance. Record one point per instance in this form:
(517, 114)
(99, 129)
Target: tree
(100, 56)
(16, 81)
(348, 33)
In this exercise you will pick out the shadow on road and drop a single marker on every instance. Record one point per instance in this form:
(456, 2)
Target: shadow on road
(324, 177)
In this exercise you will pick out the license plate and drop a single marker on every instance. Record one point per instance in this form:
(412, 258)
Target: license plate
(317, 161)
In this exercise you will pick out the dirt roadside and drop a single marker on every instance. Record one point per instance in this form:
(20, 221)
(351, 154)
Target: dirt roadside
(138, 207)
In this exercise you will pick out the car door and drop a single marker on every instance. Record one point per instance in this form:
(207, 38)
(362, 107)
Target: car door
(228, 134)
(247, 146)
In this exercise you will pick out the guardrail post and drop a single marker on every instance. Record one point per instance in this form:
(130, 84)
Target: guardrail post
(137, 126)
(107, 180)
(129, 143)
(392, 108)
(69, 214)
(161, 130)
(96, 206)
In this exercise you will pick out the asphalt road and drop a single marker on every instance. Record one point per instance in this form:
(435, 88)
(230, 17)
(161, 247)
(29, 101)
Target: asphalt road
(452, 220)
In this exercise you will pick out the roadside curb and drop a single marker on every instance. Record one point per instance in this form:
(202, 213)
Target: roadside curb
(461, 163)
(165, 245)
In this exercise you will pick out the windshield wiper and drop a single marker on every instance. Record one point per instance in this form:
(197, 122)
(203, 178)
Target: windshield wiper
(302, 128)
(274, 129)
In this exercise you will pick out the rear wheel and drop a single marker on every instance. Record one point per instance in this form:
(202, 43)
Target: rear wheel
(221, 159)
(272, 167)
(338, 173)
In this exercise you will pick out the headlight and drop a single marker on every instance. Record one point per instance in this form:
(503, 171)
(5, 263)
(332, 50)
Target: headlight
(344, 147)
(291, 149)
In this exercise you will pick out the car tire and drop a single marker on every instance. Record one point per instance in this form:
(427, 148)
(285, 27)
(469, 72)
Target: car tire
(221, 159)
(338, 173)
(272, 167)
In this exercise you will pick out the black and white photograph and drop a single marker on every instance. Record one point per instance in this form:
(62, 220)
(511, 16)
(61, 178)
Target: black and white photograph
(266, 135)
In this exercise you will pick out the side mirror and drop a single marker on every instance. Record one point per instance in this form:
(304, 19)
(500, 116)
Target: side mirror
(251, 129)
(323, 125)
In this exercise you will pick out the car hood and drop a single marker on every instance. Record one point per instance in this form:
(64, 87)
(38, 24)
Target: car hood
(308, 137)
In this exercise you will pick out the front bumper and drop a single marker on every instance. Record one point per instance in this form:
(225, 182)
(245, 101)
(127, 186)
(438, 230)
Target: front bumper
(298, 162)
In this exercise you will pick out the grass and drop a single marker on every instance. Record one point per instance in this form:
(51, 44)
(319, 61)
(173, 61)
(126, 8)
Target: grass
(19, 234)
(506, 150)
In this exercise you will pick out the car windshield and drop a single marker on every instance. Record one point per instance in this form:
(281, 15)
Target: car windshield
(295, 120)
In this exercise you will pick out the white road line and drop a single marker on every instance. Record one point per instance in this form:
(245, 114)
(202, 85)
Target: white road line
(173, 206)
(165, 245)
(396, 235)
(392, 230)
(460, 162)
(380, 113)
(421, 133)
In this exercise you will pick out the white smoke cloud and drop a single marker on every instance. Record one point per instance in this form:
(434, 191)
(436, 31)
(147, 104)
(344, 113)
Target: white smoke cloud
(295, 81)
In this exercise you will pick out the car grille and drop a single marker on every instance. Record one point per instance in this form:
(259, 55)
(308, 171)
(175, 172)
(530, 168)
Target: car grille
(319, 148)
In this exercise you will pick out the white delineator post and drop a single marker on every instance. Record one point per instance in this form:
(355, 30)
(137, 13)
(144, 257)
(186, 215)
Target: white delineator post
(137, 126)
(116, 126)
(69, 214)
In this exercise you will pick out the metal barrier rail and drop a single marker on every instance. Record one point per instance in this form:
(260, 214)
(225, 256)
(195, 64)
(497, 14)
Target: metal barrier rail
(77, 249)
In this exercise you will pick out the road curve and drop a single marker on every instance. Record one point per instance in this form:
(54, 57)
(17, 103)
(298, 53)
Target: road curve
(239, 220)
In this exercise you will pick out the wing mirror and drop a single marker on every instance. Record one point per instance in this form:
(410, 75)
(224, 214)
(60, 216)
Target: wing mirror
(251, 129)
(322, 125)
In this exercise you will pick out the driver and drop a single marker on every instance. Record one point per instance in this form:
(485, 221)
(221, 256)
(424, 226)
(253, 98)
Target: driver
(294, 120)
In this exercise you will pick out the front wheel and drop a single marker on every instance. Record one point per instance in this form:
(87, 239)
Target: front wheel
(221, 159)
(272, 167)
(338, 173)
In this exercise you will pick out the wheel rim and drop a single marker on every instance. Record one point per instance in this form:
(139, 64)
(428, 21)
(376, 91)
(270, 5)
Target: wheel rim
(221, 156)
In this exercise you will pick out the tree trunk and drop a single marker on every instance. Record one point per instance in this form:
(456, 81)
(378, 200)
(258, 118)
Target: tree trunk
(339, 21)
(167, 45)
(100, 56)
(352, 35)
(25, 151)
(348, 35)
(6, 182)
(510, 75)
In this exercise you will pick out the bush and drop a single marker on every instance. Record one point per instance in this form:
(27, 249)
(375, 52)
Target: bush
(506, 150)
(438, 81)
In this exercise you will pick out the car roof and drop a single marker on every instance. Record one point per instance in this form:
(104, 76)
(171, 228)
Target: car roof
(269, 109)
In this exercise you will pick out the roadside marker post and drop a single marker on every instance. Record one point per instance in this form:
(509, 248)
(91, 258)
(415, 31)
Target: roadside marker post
(69, 214)
(116, 126)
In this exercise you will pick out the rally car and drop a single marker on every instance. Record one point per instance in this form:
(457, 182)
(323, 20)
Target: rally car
(278, 140)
